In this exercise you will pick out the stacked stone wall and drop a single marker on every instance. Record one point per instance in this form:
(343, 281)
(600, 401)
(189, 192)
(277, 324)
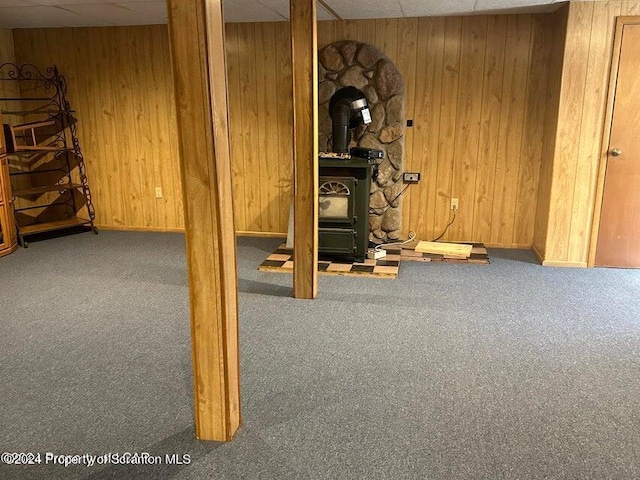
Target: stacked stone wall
(363, 66)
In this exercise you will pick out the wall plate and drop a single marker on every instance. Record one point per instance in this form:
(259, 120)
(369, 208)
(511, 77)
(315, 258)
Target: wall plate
(411, 177)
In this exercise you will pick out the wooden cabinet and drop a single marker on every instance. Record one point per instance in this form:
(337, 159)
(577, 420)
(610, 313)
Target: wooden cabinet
(8, 237)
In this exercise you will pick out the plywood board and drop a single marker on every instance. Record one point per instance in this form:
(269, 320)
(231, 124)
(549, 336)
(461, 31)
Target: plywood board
(447, 249)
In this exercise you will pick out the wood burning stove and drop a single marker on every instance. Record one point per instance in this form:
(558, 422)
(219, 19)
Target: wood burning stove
(345, 181)
(343, 206)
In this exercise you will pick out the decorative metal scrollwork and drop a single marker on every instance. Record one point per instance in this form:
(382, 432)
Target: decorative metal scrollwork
(49, 82)
(42, 93)
(334, 189)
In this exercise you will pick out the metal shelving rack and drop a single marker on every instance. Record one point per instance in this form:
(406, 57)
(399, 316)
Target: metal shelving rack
(48, 173)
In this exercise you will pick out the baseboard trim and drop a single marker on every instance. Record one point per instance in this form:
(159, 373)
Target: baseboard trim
(538, 254)
(249, 233)
(253, 233)
(514, 246)
(557, 263)
(554, 263)
(239, 233)
(126, 228)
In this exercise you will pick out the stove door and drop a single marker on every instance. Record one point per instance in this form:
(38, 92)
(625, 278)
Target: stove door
(339, 241)
(336, 197)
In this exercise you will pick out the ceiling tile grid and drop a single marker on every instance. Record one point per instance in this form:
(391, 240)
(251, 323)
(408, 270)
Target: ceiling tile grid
(77, 13)
(366, 9)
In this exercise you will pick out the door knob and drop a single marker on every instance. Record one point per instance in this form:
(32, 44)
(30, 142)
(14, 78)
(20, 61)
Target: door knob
(615, 152)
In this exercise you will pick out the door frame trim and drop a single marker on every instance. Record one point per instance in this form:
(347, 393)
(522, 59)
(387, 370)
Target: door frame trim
(606, 137)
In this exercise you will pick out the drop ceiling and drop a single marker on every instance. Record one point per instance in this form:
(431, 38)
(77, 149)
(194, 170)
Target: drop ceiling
(80, 13)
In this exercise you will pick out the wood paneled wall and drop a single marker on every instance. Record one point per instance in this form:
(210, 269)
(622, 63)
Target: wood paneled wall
(473, 86)
(120, 83)
(261, 109)
(557, 38)
(9, 89)
(6, 45)
(475, 89)
(7, 55)
(564, 236)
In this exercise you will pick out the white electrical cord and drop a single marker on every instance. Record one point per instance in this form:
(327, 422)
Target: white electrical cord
(412, 237)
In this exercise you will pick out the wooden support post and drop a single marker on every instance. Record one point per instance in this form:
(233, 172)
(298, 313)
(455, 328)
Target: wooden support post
(304, 46)
(199, 68)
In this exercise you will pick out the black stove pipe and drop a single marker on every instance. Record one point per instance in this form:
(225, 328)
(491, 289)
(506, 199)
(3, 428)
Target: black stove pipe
(340, 115)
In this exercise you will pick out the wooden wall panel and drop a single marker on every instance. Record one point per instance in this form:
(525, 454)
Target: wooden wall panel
(467, 138)
(511, 131)
(260, 88)
(9, 89)
(12, 90)
(568, 135)
(541, 45)
(426, 131)
(120, 83)
(472, 89)
(7, 55)
(556, 51)
(447, 127)
(574, 147)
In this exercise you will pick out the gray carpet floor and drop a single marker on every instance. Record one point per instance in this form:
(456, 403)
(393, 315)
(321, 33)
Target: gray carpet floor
(452, 371)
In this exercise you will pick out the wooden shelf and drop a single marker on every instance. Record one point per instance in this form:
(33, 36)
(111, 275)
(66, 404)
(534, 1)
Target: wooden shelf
(39, 150)
(36, 112)
(51, 226)
(44, 144)
(48, 188)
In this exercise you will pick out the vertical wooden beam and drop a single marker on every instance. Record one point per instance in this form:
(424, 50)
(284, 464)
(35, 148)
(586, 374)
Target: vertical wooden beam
(199, 68)
(304, 46)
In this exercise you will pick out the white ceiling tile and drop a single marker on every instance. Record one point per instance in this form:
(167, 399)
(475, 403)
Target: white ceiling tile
(366, 8)
(485, 5)
(14, 3)
(78, 2)
(280, 6)
(32, 17)
(68, 13)
(53, 3)
(152, 12)
(424, 8)
(105, 14)
(249, 11)
(323, 14)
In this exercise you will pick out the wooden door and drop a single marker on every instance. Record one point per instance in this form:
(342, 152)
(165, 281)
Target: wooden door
(619, 233)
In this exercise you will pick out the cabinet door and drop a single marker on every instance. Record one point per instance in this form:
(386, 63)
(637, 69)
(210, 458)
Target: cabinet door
(3, 226)
(4, 179)
(6, 213)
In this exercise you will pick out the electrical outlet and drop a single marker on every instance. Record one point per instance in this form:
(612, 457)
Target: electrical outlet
(408, 177)
(158, 192)
(454, 203)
